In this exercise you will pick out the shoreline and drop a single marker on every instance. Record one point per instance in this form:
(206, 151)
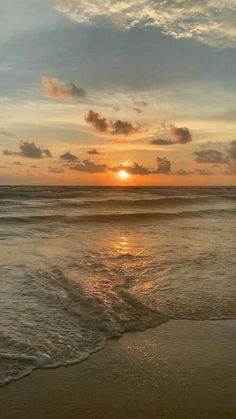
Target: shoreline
(179, 369)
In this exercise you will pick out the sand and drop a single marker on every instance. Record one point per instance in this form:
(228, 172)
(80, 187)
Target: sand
(181, 369)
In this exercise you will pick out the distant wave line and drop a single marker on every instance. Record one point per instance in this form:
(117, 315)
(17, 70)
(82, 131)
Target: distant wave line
(116, 217)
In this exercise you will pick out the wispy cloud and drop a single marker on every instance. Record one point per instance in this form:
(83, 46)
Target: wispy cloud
(210, 22)
(61, 91)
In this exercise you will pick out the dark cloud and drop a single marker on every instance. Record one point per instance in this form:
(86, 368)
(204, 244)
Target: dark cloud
(93, 152)
(182, 172)
(104, 125)
(161, 141)
(163, 165)
(68, 156)
(29, 149)
(56, 90)
(180, 135)
(123, 128)
(99, 124)
(89, 166)
(204, 172)
(210, 156)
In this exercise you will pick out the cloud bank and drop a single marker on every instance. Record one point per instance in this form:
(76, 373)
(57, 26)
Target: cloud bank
(211, 22)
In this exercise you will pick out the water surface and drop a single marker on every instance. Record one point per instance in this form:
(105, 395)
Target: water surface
(80, 265)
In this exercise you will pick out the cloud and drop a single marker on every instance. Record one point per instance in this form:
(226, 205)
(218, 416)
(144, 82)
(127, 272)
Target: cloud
(161, 141)
(210, 156)
(211, 22)
(133, 169)
(99, 123)
(104, 125)
(68, 156)
(231, 156)
(204, 172)
(163, 165)
(231, 152)
(182, 172)
(55, 90)
(93, 152)
(89, 166)
(29, 149)
(56, 170)
(180, 135)
(123, 128)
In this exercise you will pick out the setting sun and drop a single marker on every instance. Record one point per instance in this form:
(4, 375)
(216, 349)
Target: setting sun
(123, 175)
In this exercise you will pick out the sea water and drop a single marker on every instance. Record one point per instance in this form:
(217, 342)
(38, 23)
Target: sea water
(80, 265)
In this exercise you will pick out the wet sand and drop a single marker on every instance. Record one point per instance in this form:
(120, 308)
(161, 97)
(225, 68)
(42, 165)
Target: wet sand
(179, 370)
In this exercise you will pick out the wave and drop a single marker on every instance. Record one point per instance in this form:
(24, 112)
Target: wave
(70, 192)
(141, 203)
(115, 217)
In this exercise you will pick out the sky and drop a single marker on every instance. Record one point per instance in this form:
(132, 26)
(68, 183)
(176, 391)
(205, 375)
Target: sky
(90, 88)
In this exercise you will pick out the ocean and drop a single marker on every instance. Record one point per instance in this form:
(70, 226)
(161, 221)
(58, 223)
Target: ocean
(80, 265)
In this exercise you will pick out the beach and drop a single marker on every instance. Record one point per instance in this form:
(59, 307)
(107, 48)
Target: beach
(178, 370)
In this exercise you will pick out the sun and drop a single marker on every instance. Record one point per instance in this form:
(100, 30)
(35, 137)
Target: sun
(123, 174)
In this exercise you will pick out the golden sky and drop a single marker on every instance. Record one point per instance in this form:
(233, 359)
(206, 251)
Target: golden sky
(90, 89)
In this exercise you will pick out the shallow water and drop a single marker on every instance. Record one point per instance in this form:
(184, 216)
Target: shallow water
(81, 265)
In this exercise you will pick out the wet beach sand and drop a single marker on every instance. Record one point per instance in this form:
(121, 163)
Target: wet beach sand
(180, 369)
